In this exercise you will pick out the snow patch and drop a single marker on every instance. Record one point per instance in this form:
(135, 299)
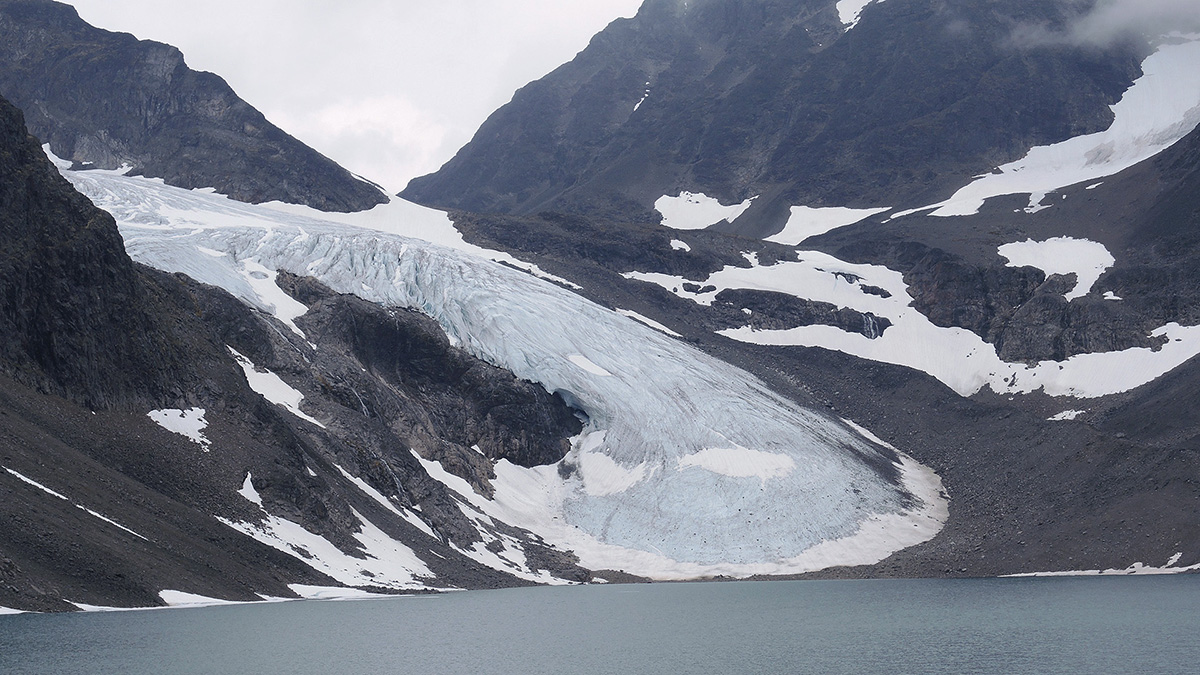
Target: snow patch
(382, 562)
(647, 321)
(588, 365)
(645, 96)
(85, 509)
(739, 462)
(696, 211)
(188, 423)
(249, 492)
(271, 297)
(1036, 203)
(511, 558)
(1161, 107)
(1088, 260)
(181, 599)
(1066, 416)
(1136, 569)
(5, 611)
(806, 222)
(680, 245)
(409, 517)
(1109, 295)
(331, 593)
(271, 387)
(849, 11)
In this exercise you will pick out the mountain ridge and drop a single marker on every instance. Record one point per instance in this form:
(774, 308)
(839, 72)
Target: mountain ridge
(109, 100)
(831, 118)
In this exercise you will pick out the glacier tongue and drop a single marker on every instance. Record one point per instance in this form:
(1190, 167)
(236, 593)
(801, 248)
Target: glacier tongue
(700, 468)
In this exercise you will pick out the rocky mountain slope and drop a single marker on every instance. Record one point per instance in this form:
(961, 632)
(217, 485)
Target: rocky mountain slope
(780, 287)
(1013, 302)
(776, 100)
(105, 504)
(109, 100)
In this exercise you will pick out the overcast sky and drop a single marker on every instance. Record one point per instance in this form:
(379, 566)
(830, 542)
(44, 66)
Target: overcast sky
(388, 88)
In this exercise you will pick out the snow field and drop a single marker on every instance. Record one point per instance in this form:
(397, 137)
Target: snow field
(957, 357)
(386, 563)
(1161, 107)
(188, 423)
(696, 211)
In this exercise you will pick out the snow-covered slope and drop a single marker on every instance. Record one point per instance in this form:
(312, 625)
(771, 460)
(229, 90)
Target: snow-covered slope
(1161, 107)
(959, 358)
(1157, 111)
(686, 467)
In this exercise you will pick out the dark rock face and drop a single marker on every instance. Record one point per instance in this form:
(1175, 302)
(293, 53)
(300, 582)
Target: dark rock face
(107, 99)
(768, 310)
(773, 98)
(1017, 309)
(75, 318)
(455, 397)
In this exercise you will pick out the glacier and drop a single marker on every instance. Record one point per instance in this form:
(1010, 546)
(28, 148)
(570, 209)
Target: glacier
(687, 466)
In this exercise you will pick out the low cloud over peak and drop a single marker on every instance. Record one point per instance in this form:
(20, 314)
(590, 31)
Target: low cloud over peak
(1111, 21)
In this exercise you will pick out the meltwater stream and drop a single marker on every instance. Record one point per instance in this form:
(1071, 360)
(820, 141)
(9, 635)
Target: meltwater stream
(687, 466)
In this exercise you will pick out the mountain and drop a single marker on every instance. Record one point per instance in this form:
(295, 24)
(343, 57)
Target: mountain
(776, 100)
(134, 433)
(965, 227)
(849, 289)
(109, 100)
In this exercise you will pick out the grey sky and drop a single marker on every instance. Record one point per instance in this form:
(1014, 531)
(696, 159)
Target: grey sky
(388, 88)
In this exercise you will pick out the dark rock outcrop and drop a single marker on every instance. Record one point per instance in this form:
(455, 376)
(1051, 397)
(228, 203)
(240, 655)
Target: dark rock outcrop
(768, 310)
(75, 318)
(451, 395)
(107, 99)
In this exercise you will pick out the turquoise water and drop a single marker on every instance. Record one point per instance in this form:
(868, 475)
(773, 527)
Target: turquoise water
(1071, 625)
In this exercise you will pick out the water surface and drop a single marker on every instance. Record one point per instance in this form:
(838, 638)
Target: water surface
(1064, 625)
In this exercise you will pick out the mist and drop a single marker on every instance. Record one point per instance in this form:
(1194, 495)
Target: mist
(1111, 21)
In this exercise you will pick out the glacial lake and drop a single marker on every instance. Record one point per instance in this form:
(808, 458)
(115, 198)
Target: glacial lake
(1055, 625)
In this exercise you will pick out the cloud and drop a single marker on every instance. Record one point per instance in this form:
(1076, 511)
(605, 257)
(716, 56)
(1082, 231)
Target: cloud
(390, 89)
(1108, 22)
(385, 138)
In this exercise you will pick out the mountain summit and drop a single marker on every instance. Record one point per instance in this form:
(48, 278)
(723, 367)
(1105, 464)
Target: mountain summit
(108, 100)
(782, 101)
